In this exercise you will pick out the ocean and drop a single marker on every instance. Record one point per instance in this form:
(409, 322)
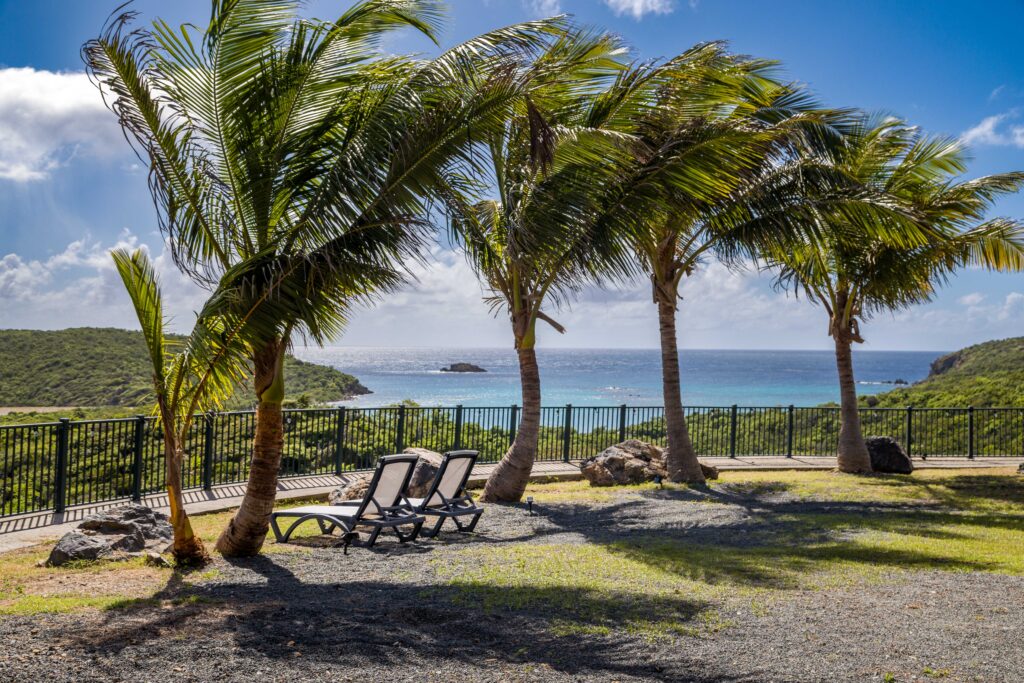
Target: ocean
(589, 377)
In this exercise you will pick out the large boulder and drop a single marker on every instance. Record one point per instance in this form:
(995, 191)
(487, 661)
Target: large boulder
(117, 533)
(630, 462)
(153, 525)
(887, 455)
(425, 473)
(74, 545)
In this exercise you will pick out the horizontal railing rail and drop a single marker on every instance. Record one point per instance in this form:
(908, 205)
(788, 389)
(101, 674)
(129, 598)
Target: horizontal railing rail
(53, 465)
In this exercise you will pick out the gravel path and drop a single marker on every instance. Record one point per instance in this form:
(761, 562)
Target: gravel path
(315, 614)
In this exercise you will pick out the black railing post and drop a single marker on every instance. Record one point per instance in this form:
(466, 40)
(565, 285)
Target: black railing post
(400, 431)
(970, 432)
(457, 446)
(140, 433)
(209, 438)
(732, 431)
(622, 423)
(910, 432)
(60, 483)
(789, 432)
(339, 441)
(567, 433)
(513, 423)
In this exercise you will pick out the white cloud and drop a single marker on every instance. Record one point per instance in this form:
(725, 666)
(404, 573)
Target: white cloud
(639, 8)
(972, 299)
(80, 287)
(47, 119)
(996, 92)
(994, 130)
(544, 8)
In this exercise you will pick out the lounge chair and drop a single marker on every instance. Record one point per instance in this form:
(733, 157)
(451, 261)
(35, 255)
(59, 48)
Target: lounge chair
(447, 498)
(382, 507)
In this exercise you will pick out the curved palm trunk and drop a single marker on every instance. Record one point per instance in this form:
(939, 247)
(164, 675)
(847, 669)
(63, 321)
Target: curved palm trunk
(681, 459)
(853, 453)
(188, 549)
(509, 479)
(245, 533)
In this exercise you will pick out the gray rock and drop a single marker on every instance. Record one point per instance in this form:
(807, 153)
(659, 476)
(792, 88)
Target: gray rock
(123, 520)
(157, 560)
(75, 545)
(131, 542)
(425, 473)
(887, 455)
(630, 462)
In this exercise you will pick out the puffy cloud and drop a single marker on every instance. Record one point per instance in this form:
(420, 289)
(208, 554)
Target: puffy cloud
(49, 118)
(994, 130)
(972, 299)
(639, 8)
(80, 287)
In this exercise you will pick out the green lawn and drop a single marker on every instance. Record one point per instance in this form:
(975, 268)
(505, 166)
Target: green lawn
(948, 520)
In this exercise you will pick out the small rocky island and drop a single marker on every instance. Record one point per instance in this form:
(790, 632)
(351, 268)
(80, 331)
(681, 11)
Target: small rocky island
(463, 367)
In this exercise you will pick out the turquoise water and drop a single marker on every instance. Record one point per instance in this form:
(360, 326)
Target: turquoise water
(614, 376)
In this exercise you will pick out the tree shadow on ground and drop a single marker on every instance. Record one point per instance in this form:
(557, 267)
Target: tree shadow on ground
(353, 623)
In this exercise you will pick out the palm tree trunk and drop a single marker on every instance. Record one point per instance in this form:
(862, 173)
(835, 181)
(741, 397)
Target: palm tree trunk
(187, 548)
(509, 479)
(680, 460)
(853, 453)
(245, 533)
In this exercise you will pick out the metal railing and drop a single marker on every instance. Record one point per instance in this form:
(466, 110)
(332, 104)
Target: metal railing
(54, 465)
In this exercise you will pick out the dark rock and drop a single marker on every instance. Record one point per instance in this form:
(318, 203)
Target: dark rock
(887, 455)
(630, 462)
(75, 545)
(901, 381)
(124, 520)
(131, 542)
(463, 367)
(946, 363)
(425, 473)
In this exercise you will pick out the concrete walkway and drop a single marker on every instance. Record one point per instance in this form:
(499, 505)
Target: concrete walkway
(20, 531)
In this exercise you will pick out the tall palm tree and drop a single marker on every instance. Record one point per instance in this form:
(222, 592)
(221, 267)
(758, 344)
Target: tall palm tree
(853, 275)
(293, 163)
(199, 376)
(538, 241)
(716, 173)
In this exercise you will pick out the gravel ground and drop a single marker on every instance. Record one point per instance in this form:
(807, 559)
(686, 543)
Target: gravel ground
(384, 614)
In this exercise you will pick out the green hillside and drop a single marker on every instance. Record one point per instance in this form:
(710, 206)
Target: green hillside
(984, 375)
(108, 367)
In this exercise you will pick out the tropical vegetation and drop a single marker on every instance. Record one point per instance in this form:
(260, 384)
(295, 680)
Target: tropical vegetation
(90, 368)
(854, 278)
(298, 170)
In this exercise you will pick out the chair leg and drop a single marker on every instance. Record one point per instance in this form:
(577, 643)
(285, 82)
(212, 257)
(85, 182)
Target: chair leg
(373, 537)
(434, 530)
(467, 528)
(411, 536)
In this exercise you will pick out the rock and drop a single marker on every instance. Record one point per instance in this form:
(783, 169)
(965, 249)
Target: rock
(114, 534)
(901, 381)
(355, 489)
(1020, 468)
(425, 473)
(463, 367)
(74, 545)
(631, 462)
(887, 455)
(157, 560)
(154, 526)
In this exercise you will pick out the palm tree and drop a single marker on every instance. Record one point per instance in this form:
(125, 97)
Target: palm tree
(539, 241)
(292, 163)
(208, 367)
(715, 174)
(853, 275)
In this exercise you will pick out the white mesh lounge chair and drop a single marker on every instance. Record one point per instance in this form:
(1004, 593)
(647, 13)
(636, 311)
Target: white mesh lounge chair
(447, 498)
(381, 508)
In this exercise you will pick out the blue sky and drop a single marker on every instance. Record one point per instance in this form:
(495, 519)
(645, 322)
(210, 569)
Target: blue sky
(70, 189)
